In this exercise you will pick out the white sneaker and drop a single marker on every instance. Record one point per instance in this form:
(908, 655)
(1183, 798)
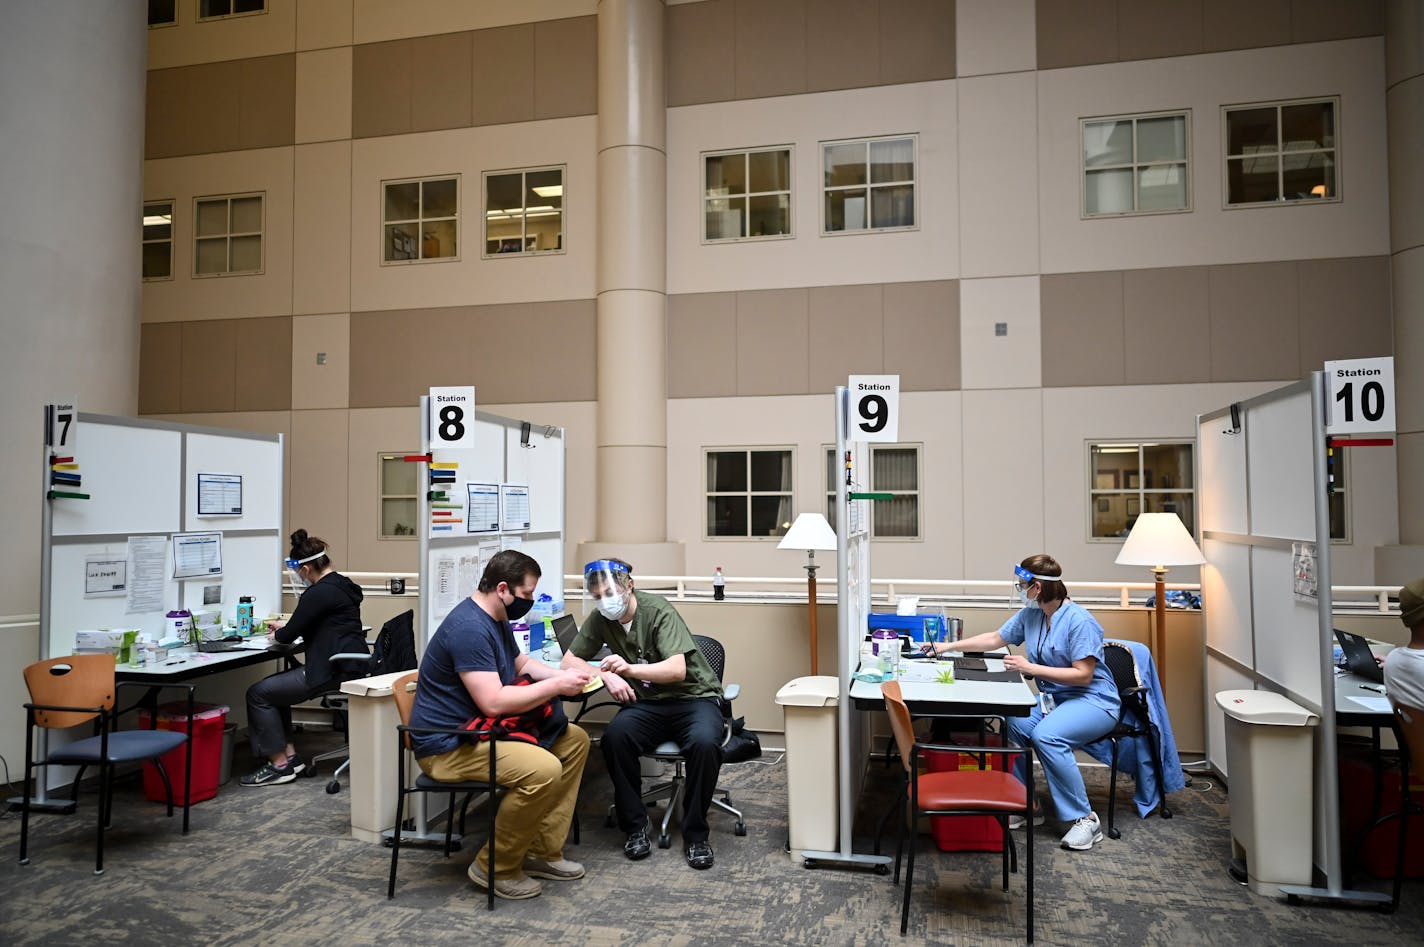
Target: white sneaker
(1084, 834)
(1017, 822)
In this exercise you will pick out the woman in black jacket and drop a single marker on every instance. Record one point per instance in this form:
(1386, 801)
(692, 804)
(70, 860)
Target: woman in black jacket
(328, 619)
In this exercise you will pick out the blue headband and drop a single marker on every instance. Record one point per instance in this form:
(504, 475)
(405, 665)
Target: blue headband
(605, 565)
(1027, 576)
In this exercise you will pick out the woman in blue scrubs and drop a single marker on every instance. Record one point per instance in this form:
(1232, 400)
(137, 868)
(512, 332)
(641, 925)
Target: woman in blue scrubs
(1078, 702)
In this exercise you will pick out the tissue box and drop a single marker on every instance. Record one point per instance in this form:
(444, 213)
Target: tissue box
(99, 641)
(208, 625)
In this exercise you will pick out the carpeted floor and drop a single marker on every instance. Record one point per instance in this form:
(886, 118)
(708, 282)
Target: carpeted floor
(276, 866)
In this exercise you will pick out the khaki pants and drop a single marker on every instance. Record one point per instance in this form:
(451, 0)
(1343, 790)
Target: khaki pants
(543, 785)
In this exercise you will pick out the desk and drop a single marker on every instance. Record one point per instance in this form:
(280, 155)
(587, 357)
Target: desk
(925, 697)
(192, 665)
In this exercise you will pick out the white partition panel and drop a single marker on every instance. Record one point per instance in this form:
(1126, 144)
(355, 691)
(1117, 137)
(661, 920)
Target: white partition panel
(1280, 479)
(133, 475)
(1287, 628)
(258, 462)
(1226, 589)
(1222, 455)
(1220, 676)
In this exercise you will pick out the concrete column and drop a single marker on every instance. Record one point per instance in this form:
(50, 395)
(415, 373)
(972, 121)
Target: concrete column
(71, 183)
(1404, 101)
(631, 514)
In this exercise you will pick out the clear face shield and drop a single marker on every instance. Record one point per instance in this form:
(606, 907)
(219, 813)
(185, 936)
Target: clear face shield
(608, 588)
(1023, 579)
(294, 571)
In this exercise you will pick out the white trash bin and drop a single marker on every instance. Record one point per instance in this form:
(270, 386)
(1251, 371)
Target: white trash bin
(813, 812)
(1270, 760)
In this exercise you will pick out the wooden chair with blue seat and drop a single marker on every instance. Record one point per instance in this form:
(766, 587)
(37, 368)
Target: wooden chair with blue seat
(72, 691)
(983, 791)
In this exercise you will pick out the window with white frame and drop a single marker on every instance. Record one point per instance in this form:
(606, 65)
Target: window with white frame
(1126, 479)
(162, 12)
(1337, 470)
(1282, 151)
(227, 235)
(1136, 164)
(747, 194)
(524, 211)
(158, 240)
(219, 9)
(868, 184)
(420, 219)
(398, 506)
(894, 469)
(748, 492)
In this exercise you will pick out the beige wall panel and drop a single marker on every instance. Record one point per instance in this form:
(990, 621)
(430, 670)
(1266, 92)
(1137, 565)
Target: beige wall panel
(772, 343)
(837, 54)
(1314, 21)
(471, 279)
(503, 63)
(1356, 226)
(1407, 280)
(1075, 417)
(998, 154)
(510, 343)
(209, 366)
(847, 334)
(238, 37)
(323, 111)
(916, 40)
(1405, 104)
(1375, 508)
(324, 23)
(699, 44)
(1167, 335)
(1404, 41)
(1076, 32)
(994, 36)
(991, 361)
(566, 67)
(1230, 24)
(1004, 502)
(922, 335)
(440, 68)
(380, 89)
(702, 345)
(1082, 329)
(397, 356)
(185, 297)
(321, 243)
(160, 361)
(633, 178)
(803, 122)
(165, 124)
(267, 118)
(370, 433)
(770, 53)
(263, 364)
(378, 20)
(1411, 502)
(326, 385)
(1344, 310)
(212, 108)
(1148, 29)
(319, 500)
(1255, 322)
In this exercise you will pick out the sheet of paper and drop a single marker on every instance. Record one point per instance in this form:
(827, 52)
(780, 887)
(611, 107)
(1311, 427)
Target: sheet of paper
(1379, 705)
(105, 574)
(511, 542)
(447, 590)
(197, 555)
(470, 571)
(219, 494)
(514, 507)
(146, 575)
(482, 511)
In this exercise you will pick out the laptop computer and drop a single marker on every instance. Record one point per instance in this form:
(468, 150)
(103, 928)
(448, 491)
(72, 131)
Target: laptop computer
(1359, 659)
(565, 630)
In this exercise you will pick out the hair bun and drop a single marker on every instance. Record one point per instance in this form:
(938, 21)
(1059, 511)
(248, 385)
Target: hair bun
(299, 537)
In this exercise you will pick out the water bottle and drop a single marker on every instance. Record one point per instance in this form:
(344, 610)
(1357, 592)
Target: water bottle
(719, 586)
(244, 616)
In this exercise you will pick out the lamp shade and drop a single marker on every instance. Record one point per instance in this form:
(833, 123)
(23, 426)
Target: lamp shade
(1159, 539)
(810, 531)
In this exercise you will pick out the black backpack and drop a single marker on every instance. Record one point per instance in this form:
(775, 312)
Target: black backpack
(395, 645)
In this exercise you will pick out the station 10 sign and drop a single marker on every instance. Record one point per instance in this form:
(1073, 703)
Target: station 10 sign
(1359, 396)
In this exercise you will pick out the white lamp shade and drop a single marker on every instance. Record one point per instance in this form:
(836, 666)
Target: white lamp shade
(1160, 539)
(810, 531)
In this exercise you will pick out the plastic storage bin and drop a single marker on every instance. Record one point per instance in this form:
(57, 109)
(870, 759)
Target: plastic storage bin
(1270, 762)
(813, 810)
(967, 833)
(916, 626)
(208, 723)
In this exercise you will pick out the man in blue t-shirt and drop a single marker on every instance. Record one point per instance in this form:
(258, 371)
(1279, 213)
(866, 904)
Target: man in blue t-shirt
(469, 669)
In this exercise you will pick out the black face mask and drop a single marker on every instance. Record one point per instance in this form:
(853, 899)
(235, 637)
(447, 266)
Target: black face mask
(518, 608)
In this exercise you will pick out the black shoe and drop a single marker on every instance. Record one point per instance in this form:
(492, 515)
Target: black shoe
(699, 854)
(638, 846)
(270, 774)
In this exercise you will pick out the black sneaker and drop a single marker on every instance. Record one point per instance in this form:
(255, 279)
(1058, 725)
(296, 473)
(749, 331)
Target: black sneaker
(699, 854)
(270, 774)
(638, 846)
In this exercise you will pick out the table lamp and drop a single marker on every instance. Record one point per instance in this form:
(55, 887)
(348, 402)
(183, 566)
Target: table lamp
(1160, 540)
(810, 532)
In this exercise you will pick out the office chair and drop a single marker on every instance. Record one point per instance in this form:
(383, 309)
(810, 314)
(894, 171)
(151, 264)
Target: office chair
(1409, 726)
(673, 788)
(983, 791)
(66, 692)
(394, 651)
(1133, 720)
(403, 690)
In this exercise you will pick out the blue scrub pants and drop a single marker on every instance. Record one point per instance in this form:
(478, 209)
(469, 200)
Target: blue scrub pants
(1054, 736)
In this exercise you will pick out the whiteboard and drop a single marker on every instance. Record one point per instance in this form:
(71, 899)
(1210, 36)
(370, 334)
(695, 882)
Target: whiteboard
(132, 475)
(1281, 470)
(252, 565)
(1288, 629)
(258, 462)
(72, 611)
(1223, 477)
(545, 479)
(1226, 590)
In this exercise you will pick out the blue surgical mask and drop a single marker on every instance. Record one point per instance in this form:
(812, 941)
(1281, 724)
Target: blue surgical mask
(1027, 602)
(613, 605)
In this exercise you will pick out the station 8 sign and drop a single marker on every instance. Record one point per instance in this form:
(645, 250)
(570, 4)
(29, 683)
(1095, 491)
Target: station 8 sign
(452, 418)
(874, 408)
(1359, 396)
